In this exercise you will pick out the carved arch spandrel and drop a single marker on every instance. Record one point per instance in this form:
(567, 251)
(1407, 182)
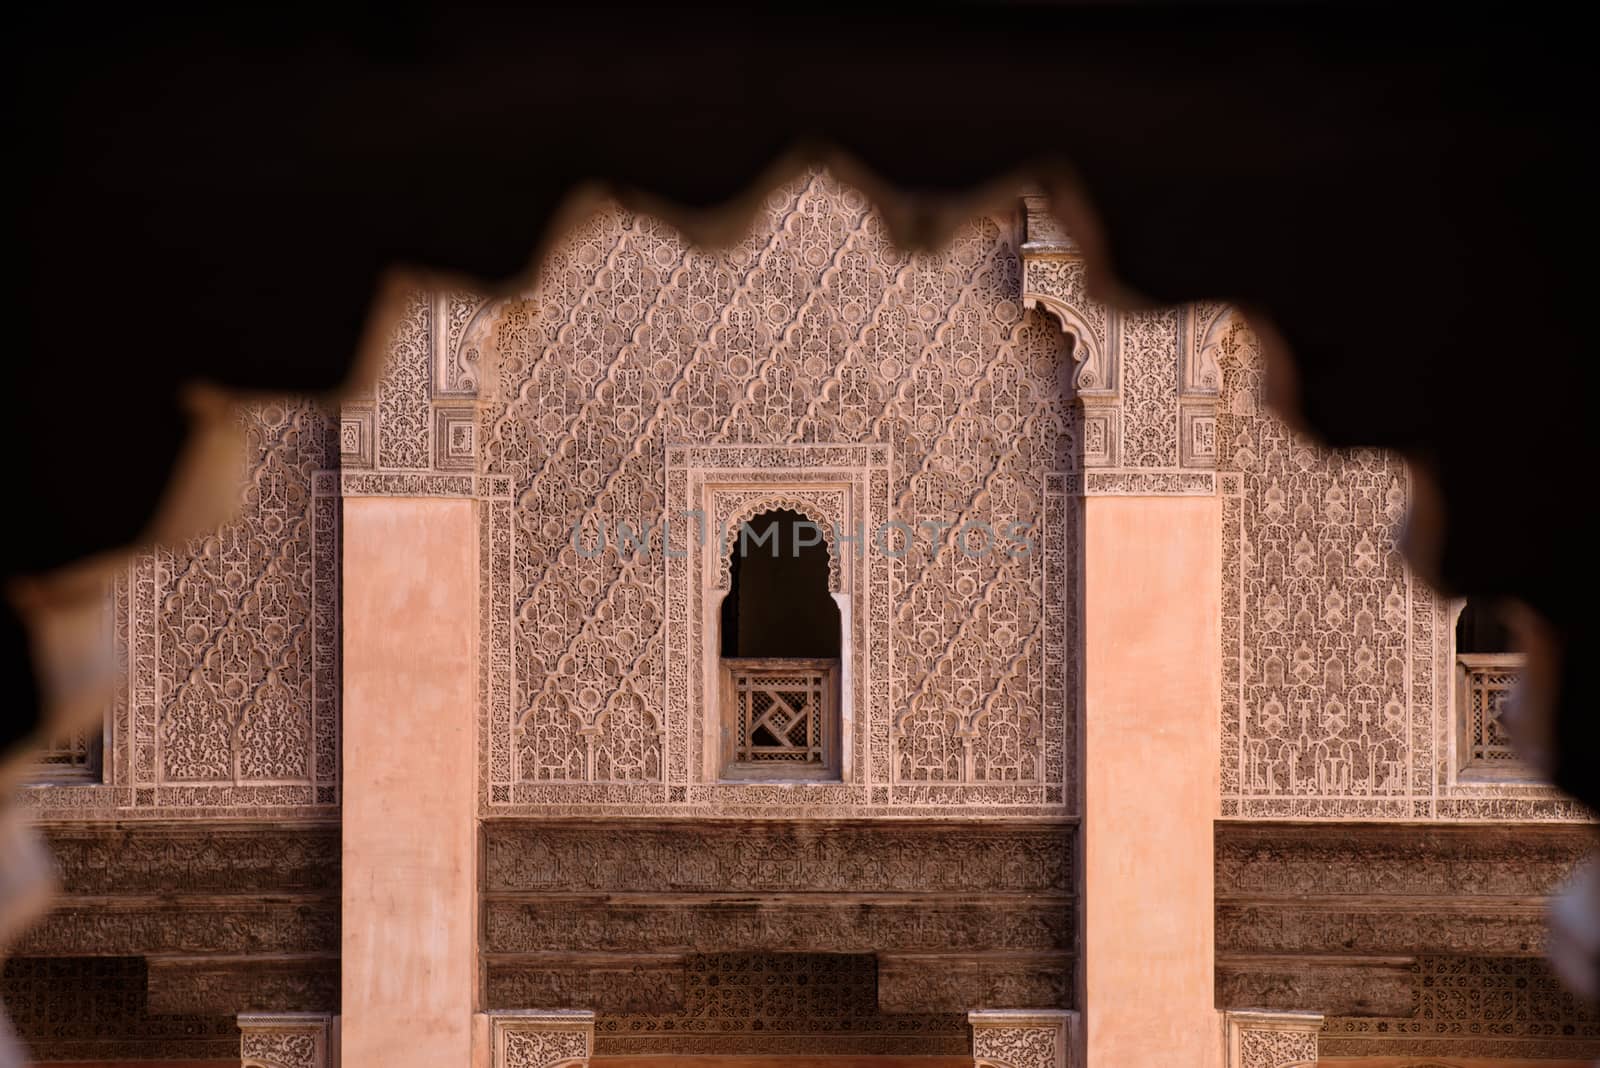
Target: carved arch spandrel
(810, 506)
(1095, 373)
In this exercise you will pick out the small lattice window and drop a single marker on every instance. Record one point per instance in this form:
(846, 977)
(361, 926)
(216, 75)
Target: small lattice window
(780, 655)
(1485, 676)
(73, 757)
(782, 713)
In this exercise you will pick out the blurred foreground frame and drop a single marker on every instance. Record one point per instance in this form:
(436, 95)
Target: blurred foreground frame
(215, 210)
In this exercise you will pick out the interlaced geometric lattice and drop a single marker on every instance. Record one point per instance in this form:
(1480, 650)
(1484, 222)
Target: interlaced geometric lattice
(1486, 682)
(782, 710)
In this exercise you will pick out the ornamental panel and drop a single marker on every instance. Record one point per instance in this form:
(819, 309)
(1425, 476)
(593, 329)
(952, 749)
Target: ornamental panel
(226, 702)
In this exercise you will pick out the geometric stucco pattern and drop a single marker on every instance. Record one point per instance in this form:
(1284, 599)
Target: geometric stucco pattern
(1145, 383)
(1336, 659)
(226, 698)
(813, 332)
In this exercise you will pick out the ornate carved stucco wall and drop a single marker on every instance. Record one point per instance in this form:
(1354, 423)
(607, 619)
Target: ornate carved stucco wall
(226, 698)
(795, 350)
(1337, 661)
(916, 386)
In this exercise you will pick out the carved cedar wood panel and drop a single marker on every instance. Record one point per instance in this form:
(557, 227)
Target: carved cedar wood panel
(1336, 659)
(1474, 1006)
(806, 343)
(94, 1008)
(227, 692)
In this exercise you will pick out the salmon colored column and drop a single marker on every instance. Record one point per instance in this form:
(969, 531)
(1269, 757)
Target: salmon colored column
(1152, 676)
(410, 626)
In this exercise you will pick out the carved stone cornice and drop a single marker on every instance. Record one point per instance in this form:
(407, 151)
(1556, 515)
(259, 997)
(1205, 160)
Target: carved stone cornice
(1008, 1038)
(285, 1039)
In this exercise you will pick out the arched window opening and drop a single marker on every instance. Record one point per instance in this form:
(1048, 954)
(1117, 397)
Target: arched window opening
(1486, 671)
(780, 642)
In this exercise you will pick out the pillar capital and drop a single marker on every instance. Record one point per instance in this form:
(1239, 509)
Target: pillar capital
(286, 1039)
(1023, 1038)
(1271, 1039)
(541, 1038)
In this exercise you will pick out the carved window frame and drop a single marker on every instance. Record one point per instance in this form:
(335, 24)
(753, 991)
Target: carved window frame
(69, 772)
(711, 489)
(1463, 766)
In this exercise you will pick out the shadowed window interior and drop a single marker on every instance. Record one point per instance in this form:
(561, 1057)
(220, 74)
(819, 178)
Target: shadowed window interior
(1482, 629)
(1486, 672)
(778, 603)
(780, 651)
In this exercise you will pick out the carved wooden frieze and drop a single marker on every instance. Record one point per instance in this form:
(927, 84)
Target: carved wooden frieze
(184, 924)
(779, 1004)
(1397, 890)
(1467, 1006)
(94, 1009)
(953, 982)
(614, 983)
(231, 858)
(955, 912)
(726, 923)
(215, 920)
(214, 985)
(1413, 939)
(746, 856)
